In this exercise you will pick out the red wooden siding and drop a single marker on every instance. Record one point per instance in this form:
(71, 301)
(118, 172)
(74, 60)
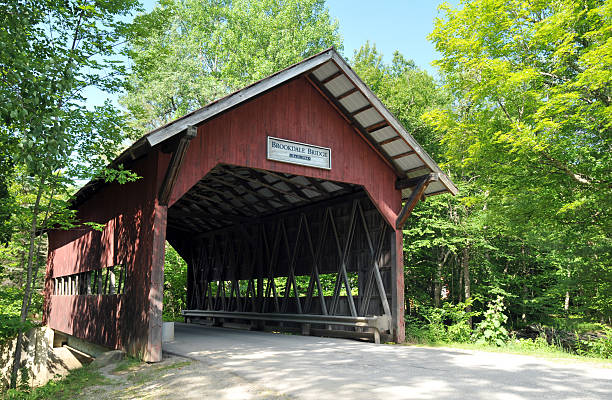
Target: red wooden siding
(294, 111)
(128, 212)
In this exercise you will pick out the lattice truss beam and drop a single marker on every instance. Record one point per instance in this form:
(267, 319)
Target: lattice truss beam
(303, 261)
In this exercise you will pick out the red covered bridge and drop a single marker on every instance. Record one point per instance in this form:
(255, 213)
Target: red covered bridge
(301, 174)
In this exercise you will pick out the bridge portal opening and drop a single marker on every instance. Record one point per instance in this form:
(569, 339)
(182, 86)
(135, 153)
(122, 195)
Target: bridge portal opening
(282, 251)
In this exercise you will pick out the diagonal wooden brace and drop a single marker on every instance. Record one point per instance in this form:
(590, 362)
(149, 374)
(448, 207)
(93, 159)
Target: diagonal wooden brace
(417, 194)
(175, 165)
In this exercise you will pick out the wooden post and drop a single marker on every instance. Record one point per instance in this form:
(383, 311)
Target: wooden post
(397, 268)
(153, 351)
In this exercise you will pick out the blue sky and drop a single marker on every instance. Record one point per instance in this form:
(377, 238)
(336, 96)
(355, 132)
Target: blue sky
(390, 24)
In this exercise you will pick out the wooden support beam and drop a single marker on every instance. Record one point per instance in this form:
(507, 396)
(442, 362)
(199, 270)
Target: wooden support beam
(406, 183)
(175, 165)
(387, 141)
(397, 156)
(263, 183)
(361, 109)
(331, 77)
(377, 126)
(347, 93)
(417, 194)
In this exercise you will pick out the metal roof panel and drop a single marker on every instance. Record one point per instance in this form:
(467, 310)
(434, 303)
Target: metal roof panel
(354, 102)
(369, 117)
(396, 147)
(409, 162)
(339, 85)
(383, 134)
(326, 70)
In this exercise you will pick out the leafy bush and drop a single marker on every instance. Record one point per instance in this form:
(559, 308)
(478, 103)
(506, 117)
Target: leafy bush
(491, 329)
(175, 285)
(600, 347)
(538, 343)
(441, 325)
(10, 311)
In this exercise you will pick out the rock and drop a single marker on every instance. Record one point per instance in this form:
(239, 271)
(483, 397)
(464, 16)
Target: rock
(168, 332)
(107, 358)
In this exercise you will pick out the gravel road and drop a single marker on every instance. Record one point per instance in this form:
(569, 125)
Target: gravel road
(314, 368)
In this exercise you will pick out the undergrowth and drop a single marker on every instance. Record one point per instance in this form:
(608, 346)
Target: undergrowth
(64, 389)
(449, 325)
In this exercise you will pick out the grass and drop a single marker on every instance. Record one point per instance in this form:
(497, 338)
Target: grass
(65, 389)
(521, 347)
(127, 364)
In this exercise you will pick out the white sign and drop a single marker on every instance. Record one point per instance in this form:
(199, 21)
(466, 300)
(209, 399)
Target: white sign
(298, 153)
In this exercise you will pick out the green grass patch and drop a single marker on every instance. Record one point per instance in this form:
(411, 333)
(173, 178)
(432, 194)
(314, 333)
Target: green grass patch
(64, 389)
(177, 365)
(127, 364)
(522, 347)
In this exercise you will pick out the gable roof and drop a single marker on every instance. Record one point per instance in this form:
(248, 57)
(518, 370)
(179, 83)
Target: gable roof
(343, 88)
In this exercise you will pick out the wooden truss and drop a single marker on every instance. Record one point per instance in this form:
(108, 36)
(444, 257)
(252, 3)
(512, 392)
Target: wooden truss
(329, 260)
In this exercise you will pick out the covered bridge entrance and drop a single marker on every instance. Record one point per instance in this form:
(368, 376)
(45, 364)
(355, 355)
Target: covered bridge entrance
(285, 200)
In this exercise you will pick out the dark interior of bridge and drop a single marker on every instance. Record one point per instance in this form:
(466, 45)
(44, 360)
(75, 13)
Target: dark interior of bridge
(260, 245)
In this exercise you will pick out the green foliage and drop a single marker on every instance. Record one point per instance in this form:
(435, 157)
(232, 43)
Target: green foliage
(531, 128)
(450, 323)
(175, 285)
(600, 347)
(119, 175)
(51, 52)
(491, 329)
(64, 389)
(186, 54)
(10, 310)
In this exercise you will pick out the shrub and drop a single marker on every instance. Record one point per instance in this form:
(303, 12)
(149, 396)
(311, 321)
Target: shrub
(491, 329)
(442, 325)
(10, 311)
(600, 347)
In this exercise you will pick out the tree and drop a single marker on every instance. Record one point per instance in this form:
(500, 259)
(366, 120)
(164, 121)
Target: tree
(532, 123)
(186, 54)
(51, 51)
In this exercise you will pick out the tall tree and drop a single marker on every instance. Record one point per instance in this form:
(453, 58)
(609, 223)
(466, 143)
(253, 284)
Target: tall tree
(51, 51)
(532, 123)
(188, 53)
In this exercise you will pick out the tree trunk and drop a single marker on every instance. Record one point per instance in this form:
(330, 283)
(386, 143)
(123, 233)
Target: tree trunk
(26, 291)
(437, 281)
(442, 257)
(460, 286)
(465, 262)
(567, 297)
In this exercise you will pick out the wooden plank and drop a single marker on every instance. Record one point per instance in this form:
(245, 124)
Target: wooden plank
(376, 126)
(398, 156)
(361, 109)
(414, 198)
(347, 93)
(175, 165)
(390, 140)
(331, 77)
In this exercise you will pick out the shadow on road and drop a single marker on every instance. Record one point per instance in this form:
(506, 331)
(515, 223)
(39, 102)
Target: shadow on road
(323, 368)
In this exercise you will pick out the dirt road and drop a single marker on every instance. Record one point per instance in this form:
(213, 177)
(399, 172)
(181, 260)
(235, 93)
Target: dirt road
(313, 368)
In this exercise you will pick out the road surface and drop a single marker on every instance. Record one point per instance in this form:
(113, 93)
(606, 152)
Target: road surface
(314, 368)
